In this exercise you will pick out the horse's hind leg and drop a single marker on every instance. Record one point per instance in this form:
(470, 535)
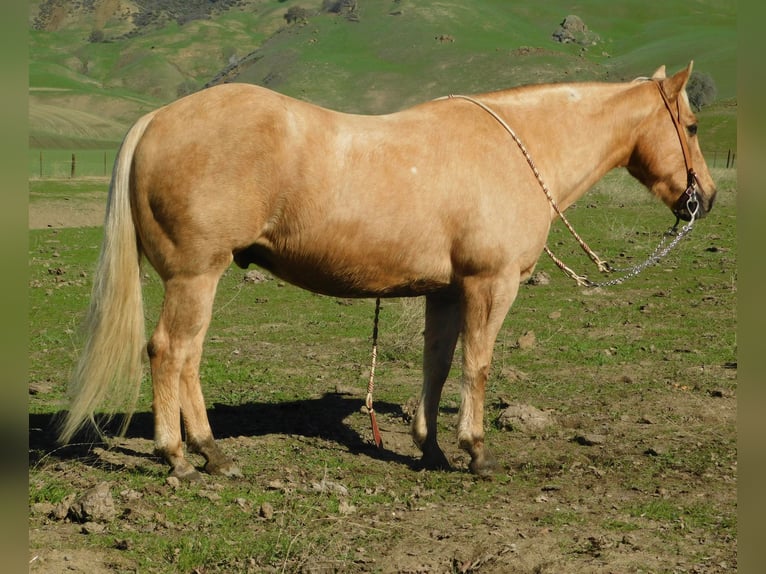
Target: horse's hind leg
(199, 436)
(175, 350)
(441, 333)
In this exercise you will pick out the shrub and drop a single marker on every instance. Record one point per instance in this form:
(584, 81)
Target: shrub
(186, 87)
(96, 37)
(296, 14)
(701, 90)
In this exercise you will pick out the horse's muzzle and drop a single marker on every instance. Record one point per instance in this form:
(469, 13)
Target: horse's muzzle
(689, 206)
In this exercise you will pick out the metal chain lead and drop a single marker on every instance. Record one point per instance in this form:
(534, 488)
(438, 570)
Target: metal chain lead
(658, 254)
(655, 257)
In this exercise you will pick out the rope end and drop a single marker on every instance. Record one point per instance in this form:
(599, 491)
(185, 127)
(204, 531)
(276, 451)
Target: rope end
(375, 430)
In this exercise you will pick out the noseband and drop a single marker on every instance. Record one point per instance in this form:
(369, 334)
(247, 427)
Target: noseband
(689, 200)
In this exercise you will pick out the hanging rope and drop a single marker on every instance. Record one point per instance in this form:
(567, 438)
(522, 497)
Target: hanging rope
(371, 384)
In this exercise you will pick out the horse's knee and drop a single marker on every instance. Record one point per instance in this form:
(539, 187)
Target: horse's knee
(152, 348)
(157, 346)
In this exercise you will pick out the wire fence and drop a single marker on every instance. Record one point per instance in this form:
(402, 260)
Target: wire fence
(60, 164)
(726, 159)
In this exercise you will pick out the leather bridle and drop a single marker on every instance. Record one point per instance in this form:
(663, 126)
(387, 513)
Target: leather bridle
(689, 200)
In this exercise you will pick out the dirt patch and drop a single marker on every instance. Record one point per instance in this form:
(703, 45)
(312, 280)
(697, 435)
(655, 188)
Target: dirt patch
(60, 213)
(588, 494)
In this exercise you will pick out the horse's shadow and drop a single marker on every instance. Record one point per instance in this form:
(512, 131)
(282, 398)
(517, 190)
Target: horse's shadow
(324, 417)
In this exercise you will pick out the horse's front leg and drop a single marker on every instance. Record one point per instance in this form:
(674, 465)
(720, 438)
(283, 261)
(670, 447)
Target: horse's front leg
(485, 305)
(441, 333)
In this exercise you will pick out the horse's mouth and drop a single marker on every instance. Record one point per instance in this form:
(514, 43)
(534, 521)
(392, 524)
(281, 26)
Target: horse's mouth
(685, 214)
(691, 205)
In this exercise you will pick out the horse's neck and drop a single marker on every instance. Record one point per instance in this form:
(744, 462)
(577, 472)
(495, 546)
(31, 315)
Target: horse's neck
(576, 133)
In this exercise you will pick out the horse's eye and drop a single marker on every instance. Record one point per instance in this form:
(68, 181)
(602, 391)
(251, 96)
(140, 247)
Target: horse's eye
(692, 129)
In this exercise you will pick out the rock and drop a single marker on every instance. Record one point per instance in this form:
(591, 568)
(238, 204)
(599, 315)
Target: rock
(539, 278)
(210, 495)
(173, 482)
(656, 450)
(329, 487)
(266, 511)
(255, 276)
(524, 418)
(574, 31)
(40, 387)
(345, 507)
(95, 505)
(61, 510)
(92, 528)
(42, 509)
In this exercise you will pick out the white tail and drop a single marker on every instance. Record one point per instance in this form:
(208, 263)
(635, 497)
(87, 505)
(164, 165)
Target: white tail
(108, 373)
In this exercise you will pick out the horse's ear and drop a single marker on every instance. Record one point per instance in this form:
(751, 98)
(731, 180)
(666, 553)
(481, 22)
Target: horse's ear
(676, 84)
(659, 74)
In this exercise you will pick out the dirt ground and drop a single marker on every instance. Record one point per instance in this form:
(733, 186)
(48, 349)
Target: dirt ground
(67, 213)
(462, 525)
(561, 504)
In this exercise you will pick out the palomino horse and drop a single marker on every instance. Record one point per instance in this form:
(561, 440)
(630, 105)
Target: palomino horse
(435, 200)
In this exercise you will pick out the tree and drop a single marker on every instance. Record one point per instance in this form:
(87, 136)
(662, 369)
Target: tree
(296, 14)
(96, 37)
(701, 90)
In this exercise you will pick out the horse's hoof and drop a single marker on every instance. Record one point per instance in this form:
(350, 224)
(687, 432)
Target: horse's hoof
(435, 461)
(187, 474)
(484, 466)
(227, 468)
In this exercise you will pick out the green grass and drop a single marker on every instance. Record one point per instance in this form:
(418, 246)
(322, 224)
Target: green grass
(694, 516)
(45, 189)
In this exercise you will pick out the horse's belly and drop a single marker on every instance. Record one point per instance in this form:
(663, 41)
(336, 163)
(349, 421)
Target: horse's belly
(339, 275)
(342, 275)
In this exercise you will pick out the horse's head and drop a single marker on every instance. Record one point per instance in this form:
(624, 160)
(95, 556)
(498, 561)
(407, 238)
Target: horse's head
(667, 157)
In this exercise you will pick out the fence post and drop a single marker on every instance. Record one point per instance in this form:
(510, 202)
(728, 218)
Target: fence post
(71, 175)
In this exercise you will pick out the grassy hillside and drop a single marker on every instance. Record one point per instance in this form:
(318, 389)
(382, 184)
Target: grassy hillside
(384, 61)
(96, 66)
